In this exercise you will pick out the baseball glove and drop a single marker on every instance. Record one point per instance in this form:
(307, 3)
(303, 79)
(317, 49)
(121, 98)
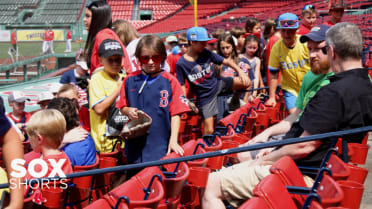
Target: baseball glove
(138, 127)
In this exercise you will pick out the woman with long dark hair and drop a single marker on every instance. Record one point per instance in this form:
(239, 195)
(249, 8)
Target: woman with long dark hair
(98, 22)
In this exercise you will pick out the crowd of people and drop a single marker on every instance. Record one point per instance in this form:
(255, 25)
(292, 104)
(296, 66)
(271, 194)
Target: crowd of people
(324, 85)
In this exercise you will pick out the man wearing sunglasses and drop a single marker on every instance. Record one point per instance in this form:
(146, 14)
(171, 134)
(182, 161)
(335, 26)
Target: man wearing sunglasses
(290, 57)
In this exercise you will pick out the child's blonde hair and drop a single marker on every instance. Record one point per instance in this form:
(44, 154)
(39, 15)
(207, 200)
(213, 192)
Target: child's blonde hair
(48, 123)
(125, 31)
(308, 9)
(68, 87)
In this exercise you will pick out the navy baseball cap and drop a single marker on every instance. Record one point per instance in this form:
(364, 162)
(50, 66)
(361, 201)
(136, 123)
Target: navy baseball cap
(287, 21)
(110, 47)
(317, 34)
(197, 34)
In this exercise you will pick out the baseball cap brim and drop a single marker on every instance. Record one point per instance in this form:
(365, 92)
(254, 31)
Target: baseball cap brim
(316, 34)
(112, 53)
(294, 27)
(313, 37)
(212, 41)
(203, 39)
(21, 99)
(82, 64)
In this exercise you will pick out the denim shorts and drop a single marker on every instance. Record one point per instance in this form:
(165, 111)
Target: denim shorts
(290, 99)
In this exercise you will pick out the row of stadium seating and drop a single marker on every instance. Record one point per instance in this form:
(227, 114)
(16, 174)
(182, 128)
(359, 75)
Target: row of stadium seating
(183, 19)
(161, 8)
(56, 11)
(261, 10)
(20, 2)
(121, 9)
(10, 8)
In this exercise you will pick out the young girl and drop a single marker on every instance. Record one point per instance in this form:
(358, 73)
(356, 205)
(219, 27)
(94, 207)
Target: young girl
(98, 23)
(157, 93)
(226, 48)
(238, 36)
(253, 26)
(251, 54)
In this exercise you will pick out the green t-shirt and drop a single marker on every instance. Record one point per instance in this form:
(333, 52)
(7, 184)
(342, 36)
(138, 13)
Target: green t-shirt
(310, 85)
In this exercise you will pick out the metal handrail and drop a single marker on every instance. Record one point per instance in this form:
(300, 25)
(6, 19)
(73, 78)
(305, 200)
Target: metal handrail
(204, 155)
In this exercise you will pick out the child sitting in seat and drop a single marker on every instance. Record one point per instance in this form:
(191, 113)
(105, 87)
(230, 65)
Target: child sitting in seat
(46, 129)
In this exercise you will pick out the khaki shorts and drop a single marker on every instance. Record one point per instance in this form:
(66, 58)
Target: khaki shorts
(238, 181)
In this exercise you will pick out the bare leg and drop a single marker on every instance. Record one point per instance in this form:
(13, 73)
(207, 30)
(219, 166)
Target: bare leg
(213, 197)
(292, 110)
(208, 126)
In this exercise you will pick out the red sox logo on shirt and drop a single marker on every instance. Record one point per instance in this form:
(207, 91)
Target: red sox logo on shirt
(164, 98)
(199, 74)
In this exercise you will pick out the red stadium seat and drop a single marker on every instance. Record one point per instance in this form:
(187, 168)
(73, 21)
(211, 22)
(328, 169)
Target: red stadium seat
(340, 170)
(80, 193)
(175, 180)
(214, 163)
(191, 148)
(134, 190)
(275, 194)
(329, 191)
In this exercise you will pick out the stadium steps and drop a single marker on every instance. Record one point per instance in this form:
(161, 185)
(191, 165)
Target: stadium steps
(136, 9)
(41, 6)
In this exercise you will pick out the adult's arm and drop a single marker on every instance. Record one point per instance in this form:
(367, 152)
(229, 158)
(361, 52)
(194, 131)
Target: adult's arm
(295, 151)
(12, 149)
(280, 128)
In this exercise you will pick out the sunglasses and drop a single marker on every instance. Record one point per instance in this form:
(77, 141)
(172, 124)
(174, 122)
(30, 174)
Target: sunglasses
(287, 23)
(155, 58)
(309, 6)
(183, 45)
(90, 4)
(114, 60)
(324, 49)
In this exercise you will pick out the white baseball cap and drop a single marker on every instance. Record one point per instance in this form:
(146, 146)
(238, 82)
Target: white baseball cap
(17, 96)
(44, 96)
(54, 88)
(82, 64)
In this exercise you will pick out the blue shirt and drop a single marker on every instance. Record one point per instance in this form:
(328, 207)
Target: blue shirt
(200, 75)
(161, 98)
(82, 152)
(4, 123)
(68, 77)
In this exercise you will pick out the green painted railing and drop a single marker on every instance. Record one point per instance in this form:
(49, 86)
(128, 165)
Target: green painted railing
(37, 60)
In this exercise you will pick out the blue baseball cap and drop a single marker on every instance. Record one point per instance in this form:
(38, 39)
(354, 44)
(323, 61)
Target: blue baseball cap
(197, 34)
(317, 34)
(287, 21)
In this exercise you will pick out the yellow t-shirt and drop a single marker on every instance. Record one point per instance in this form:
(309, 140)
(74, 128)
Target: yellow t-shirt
(293, 64)
(3, 180)
(100, 87)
